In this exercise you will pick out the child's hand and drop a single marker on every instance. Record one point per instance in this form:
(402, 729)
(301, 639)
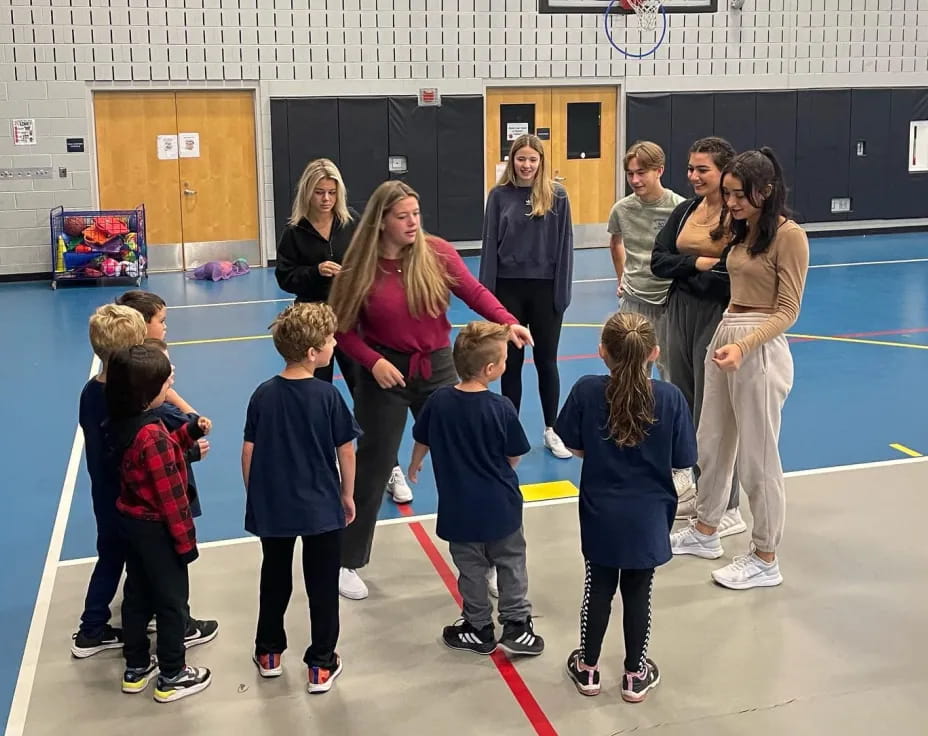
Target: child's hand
(728, 357)
(412, 472)
(205, 424)
(204, 447)
(348, 506)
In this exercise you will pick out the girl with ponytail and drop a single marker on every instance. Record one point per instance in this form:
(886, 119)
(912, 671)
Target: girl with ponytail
(749, 370)
(631, 431)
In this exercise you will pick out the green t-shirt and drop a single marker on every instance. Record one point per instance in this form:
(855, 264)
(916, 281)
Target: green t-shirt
(638, 223)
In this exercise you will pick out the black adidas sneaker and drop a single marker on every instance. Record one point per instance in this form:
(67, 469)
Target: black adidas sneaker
(464, 636)
(520, 638)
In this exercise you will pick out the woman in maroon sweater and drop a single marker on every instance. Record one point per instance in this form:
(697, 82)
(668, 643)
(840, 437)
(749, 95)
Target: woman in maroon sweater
(391, 299)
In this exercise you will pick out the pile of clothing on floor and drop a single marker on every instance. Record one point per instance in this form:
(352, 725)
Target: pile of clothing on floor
(98, 246)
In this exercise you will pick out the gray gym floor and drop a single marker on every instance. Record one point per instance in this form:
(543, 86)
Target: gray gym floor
(839, 648)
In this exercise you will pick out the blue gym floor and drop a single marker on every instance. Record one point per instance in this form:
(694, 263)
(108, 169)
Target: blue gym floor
(860, 367)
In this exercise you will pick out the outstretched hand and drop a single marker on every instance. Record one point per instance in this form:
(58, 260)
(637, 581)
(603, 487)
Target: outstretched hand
(520, 336)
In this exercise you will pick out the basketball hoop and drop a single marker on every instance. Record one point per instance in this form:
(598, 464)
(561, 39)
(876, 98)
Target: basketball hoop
(646, 10)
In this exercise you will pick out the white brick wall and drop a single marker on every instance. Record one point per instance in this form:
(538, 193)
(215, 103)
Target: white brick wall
(54, 52)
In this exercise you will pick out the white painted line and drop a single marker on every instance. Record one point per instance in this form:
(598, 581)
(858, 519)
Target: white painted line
(870, 263)
(857, 466)
(16, 722)
(230, 304)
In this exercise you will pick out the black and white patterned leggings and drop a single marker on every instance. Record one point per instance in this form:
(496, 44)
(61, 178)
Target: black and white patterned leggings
(599, 590)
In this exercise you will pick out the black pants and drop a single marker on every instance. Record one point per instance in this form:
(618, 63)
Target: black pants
(320, 575)
(157, 584)
(346, 365)
(599, 590)
(104, 580)
(531, 301)
(381, 413)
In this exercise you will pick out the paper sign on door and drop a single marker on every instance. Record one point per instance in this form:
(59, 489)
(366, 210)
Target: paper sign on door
(167, 147)
(189, 145)
(514, 130)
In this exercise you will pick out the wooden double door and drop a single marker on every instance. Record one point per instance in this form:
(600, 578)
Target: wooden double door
(578, 128)
(190, 158)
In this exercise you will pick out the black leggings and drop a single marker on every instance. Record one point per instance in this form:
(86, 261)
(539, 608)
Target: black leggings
(598, 592)
(345, 364)
(531, 301)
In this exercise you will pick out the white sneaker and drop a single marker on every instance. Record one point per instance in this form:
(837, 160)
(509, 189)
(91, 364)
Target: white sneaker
(689, 541)
(748, 571)
(398, 488)
(556, 444)
(731, 523)
(493, 583)
(350, 585)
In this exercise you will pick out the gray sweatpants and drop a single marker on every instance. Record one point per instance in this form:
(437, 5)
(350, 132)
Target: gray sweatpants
(474, 560)
(741, 423)
(688, 329)
(654, 313)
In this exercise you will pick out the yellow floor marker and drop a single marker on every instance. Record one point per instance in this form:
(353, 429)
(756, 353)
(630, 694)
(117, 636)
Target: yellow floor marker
(548, 491)
(905, 450)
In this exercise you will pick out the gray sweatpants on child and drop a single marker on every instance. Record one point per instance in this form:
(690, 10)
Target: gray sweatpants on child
(474, 560)
(654, 313)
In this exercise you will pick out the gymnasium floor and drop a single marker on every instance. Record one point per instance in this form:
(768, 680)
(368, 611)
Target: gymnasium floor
(825, 651)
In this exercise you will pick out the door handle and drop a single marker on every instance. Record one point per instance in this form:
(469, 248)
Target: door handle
(187, 191)
(560, 178)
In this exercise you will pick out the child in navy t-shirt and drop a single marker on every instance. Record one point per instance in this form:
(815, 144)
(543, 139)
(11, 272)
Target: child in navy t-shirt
(299, 434)
(631, 432)
(476, 440)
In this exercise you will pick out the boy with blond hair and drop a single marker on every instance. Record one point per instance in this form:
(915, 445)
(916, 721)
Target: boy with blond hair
(298, 464)
(476, 441)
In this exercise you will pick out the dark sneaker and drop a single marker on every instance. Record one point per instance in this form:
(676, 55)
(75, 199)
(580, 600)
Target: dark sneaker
(189, 681)
(136, 679)
(321, 679)
(635, 685)
(520, 638)
(586, 679)
(200, 632)
(269, 665)
(464, 636)
(85, 646)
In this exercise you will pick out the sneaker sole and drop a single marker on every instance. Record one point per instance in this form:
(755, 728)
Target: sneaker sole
(748, 584)
(313, 689)
(588, 690)
(352, 596)
(134, 688)
(275, 672)
(468, 649)
(161, 696)
(201, 639)
(705, 554)
(83, 653)
(516, 651)
(402, 500)
(559, 457)
(638, 697)
(736, 529)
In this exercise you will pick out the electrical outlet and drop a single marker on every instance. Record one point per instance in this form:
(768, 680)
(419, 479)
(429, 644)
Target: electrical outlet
(840, 205)
(62, 172)
(6, 174)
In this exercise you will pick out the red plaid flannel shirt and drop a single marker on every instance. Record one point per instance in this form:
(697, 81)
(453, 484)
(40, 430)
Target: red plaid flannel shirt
(154, 481)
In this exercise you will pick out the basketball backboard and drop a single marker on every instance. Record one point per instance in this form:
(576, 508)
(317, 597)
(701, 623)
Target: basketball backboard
(598, 6)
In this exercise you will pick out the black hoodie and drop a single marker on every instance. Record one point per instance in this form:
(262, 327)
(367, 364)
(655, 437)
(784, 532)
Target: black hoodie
(668, 263)
(300, 251)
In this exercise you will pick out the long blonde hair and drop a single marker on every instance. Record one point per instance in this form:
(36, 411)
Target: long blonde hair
(542, 186)
(425, 279)
(628, 340)
(316, 171)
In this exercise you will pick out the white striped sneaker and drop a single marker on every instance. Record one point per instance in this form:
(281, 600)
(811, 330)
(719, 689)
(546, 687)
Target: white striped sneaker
(520, 638)
(461, 635)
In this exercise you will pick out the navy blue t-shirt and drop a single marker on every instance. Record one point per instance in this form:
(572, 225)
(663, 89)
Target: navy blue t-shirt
(470, 435)
(102, 466)
(627, 496)
(294, 487)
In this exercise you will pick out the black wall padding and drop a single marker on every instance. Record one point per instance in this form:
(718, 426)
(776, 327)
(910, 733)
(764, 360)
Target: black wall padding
(692, 116)
(460, 153)
(734, 116)
(905, 194)
(648, 118)
(363, 143)
(822, 153)
(775, 126)
(280, 162)
(412, 133)
(871, 110)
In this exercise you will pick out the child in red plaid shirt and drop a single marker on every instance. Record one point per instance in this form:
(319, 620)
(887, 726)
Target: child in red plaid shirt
(156, 520)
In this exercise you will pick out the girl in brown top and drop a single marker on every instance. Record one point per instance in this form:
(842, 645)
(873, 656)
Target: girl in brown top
(749, 371)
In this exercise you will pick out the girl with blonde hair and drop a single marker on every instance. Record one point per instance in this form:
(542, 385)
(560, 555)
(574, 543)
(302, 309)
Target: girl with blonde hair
(527, 262)
(391, 300)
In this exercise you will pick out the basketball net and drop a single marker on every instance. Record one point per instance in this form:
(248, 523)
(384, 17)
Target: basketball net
(646, 10)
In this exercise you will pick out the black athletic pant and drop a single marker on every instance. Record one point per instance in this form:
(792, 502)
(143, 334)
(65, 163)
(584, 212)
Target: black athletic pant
(345, 364)
(599, 590)
(157, 584)
(321, 554)
(531, 301)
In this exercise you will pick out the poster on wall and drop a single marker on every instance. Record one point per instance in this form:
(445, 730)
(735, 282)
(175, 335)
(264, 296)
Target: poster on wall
(189, 145)
(167, 147)
(24, 132)
(918, 146)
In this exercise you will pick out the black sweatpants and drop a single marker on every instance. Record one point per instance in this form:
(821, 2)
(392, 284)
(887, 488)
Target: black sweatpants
(531, 301)
(157, 584)
(599, 590)
(382, 414)
(321, 554)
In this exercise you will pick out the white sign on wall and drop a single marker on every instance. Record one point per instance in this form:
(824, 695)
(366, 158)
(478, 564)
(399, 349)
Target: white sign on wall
(918, 146)
(24, 132)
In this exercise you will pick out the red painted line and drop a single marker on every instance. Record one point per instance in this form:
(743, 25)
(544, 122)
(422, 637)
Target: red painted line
(507, 670)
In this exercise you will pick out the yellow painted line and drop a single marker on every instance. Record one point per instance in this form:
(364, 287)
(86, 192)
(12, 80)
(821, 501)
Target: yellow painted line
(905, 450)
(218, 339)
(548, 491)
(858, 341)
